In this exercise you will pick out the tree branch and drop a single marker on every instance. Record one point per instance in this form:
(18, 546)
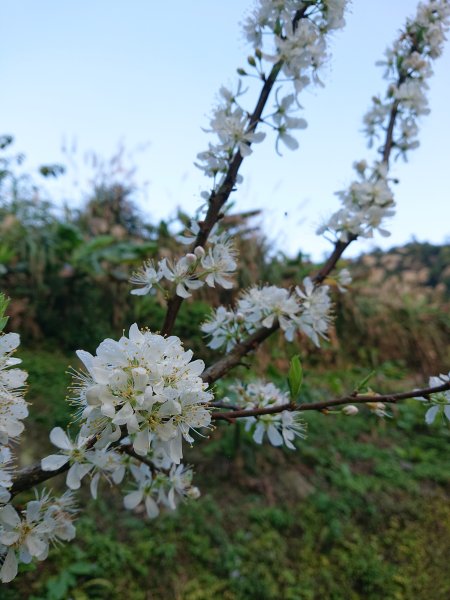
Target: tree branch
(326, 404)
(218, 198)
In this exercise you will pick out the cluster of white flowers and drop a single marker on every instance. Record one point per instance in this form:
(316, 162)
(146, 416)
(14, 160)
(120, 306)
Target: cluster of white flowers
(408, 66)
(144, 393)
(307, 310)
(13, 407)
(155, 488)
(145, 385)
(26, 535)
(367, 203)
(297, 31)
(282, 427)
(440, 402)
(212, 266)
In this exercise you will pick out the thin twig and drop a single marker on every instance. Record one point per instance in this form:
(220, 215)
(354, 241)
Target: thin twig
(326, 404)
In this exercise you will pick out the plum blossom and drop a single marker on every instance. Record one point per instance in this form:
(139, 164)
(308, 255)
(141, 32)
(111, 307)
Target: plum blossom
(307, 311)
(315, 317)
(155, 488)
(219, 263)
(27, 535)
(148, 385)
(13, 407)
(75, 453)
(147, 277)
(440, 401)
(281, 427)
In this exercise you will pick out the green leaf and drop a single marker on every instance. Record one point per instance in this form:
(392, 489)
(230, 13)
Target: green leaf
(295, 377)
(362, 384)
(3, 306)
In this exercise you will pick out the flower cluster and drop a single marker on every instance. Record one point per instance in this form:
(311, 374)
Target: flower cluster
(365, 204)
(440, 402)
(13, 407)
(154, 488)
(280, 427)
(145, 385)
(212, 266)
(407, 67)
(297, 31)
(27, 534)
(140, 397)
(307, 310)
(369, 201)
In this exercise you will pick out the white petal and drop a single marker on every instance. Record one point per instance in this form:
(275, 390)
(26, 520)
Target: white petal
(58, 437)
(94, 485)
(275, 437)
(134, 334)
(9, 568)
(141, 443)
(35, 544)
(33, 510)
(430, 415)
(133, 499)
(86, 358)
(447, 411)
(9, 342)
(151, 507)
(54, 462)
(258, 433)
(9, 516)
(8, 538)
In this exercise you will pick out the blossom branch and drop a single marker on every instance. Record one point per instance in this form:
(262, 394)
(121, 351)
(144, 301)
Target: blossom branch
(354, 398)
(218, 198)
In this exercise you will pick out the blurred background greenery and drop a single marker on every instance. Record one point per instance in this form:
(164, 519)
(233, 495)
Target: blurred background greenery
(361, 510)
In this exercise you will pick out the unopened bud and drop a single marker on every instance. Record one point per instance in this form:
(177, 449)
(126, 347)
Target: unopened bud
(241, 72)
(240, 318)
(350, 410)
(199, 252)
(191, 258)
(376, 405)
(193, 493)
(251, 61)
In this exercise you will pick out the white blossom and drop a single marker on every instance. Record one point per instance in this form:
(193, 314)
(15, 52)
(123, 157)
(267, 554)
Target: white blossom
(27, 535)
(315, 317)
(13, 407)
(440, 401)
(281, 427)
(219, 263)
(307, 311)
(5, 474)
(75, 453)
(147, 277)
(147, 384)
(181, 274)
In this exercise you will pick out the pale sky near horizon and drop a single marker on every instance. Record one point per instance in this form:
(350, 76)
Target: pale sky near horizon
(99, 72)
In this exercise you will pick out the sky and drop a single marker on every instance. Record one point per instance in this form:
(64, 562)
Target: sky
(90, 75)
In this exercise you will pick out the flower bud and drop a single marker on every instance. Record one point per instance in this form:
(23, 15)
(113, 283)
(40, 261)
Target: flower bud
(191, 258)
(193, 492)
(199, 252)
(350, 410)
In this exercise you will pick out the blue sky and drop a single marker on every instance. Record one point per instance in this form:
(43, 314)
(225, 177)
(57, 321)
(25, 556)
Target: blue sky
(146, 72)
